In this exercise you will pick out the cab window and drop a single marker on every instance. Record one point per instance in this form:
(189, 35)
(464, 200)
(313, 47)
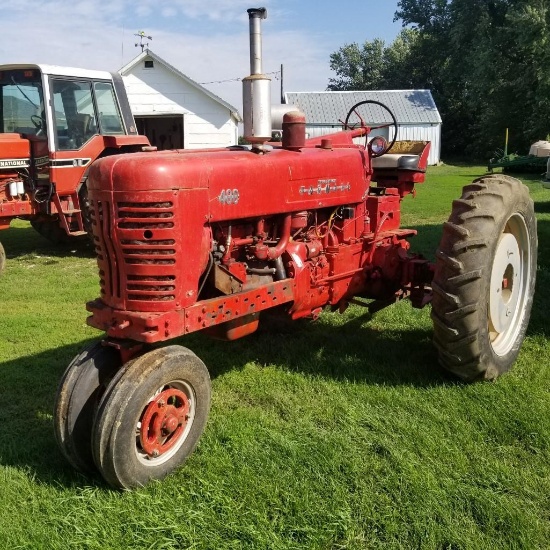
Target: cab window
(22, 103)
(110, 121)
(75, 119)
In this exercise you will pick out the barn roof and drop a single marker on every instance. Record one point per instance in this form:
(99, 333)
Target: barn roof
(127, 69)
(329, 108)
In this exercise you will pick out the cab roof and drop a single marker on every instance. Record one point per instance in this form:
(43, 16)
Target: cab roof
(58, 70)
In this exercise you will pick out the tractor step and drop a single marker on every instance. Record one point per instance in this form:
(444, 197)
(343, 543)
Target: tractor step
(77, 233)
(71, 211)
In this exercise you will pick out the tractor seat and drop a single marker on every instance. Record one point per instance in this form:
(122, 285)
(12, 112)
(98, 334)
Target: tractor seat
(401, 162)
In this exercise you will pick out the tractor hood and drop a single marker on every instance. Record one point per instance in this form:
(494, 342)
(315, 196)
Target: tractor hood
(14, 152)
(236, 179)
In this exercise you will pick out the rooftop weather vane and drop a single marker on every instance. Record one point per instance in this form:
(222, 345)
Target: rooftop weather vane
(142, 37)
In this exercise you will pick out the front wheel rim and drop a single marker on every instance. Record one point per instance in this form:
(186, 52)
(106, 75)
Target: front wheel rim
(165, 423)
(509, 285)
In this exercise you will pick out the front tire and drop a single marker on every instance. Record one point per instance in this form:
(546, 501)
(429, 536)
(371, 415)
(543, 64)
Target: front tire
(78, 394)
(485, 278)
(151, 417)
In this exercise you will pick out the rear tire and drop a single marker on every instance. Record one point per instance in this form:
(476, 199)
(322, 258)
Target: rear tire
(485, 278)
(151, 417)
(86, 209)
(51, 230)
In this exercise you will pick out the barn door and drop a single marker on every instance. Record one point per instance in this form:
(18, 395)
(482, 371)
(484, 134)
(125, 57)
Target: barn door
(164, 132)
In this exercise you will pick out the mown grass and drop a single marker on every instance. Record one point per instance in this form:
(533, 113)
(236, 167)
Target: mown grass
(338, 434)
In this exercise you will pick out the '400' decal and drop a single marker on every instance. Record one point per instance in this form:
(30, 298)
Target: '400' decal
(229, 196)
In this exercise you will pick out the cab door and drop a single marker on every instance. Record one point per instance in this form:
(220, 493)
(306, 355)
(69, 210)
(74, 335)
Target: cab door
(76, 132)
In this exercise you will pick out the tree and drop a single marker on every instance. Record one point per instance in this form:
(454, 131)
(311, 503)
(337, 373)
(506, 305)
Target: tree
(432, 16)
(530, 27)
(492, 56)
(402, 67)
(487, 63)
(377, 66)
(358, 67)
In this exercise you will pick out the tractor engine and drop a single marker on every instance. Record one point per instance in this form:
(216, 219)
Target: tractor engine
(14, 172)
(203, 239)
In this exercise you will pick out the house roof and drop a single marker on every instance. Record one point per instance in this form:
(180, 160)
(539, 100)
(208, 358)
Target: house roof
(330, 108)
(127, 69)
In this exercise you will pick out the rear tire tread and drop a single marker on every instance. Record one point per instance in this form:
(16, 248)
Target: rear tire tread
(451, 299)
(468, 245)
(464, 278)
(459, 230)
(451, 262)
(462, 275)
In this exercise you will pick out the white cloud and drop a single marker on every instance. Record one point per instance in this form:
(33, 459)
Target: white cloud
(216, 10)
(99, 35)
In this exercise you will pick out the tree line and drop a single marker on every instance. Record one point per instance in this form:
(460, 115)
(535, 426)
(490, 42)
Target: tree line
(487, 63)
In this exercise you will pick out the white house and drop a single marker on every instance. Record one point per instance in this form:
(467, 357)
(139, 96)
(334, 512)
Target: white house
(174, 111)
(415, 111)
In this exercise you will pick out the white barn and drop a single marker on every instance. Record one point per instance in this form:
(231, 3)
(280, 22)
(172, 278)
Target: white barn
(415, 111)
(174, 111)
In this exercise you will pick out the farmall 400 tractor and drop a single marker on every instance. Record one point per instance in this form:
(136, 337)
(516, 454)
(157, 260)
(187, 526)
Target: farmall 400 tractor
(54, 122)
(214, 240)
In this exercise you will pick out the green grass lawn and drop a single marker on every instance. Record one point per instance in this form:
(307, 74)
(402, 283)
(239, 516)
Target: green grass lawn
(341, 434)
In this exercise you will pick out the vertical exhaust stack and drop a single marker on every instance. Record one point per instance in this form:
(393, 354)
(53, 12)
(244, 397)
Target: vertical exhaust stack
(257, 86)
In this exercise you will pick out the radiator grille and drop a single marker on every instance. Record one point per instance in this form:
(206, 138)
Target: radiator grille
(149, 215)
(138, 267)
(101, 221)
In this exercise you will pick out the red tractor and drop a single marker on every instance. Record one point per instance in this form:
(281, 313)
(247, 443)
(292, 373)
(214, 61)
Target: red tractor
(215, 240)
(54, 122)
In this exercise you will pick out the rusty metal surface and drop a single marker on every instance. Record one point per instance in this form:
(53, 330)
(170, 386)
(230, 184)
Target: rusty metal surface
(163, 422)
(155, 327)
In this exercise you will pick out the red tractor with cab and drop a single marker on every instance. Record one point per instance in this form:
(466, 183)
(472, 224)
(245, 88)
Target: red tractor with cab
(54, 122)
(216, 240)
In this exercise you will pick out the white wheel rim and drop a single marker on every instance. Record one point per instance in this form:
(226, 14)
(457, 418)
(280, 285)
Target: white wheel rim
(150, 461)
(509, 286)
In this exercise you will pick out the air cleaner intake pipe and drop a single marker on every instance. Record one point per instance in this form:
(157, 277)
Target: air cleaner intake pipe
(257, 86)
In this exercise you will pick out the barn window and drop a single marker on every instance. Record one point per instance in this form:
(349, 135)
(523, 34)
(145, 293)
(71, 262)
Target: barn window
(148, 64)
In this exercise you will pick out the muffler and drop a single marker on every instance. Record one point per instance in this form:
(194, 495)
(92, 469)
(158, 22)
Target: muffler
(257, 86)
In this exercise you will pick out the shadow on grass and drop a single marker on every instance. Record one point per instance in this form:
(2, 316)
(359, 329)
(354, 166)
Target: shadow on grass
(22, 241)
(539, 323)
(29, 386)
(427, 240)
(543, 207)
(532, 176)
(349, 351)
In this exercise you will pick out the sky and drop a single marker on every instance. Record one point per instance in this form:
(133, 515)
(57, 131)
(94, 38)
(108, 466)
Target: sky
(207, 40)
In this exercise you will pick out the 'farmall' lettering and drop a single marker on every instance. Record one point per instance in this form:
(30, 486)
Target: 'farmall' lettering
(324, 187)
(14, 163)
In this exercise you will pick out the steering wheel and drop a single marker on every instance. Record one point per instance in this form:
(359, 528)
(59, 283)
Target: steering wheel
(362, 123)
(37, 121)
